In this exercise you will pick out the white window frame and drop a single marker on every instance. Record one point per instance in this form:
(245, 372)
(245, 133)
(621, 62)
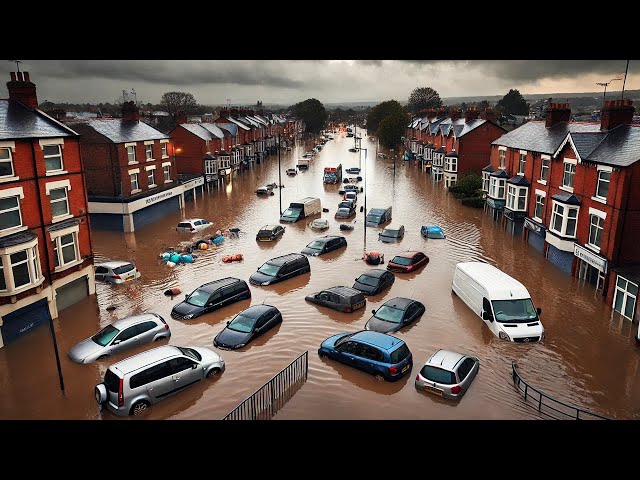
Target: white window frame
(210, 167)
(495, 186)
(10, 149)
(602, 170)
(513, 197)
(502, 154)
(137, 179)
(152, 169)
(486, 179)
(56, 239)
(163, 148)
(59, 154)
(148, 148)
(593, 231)
(539, 202)
(565, 218)
(522, 162)
(545, 168)
(568, 162)
(13, 192)
(130, 149)
(627, 295)
(166, 170)
(64, 199)
(33, 262)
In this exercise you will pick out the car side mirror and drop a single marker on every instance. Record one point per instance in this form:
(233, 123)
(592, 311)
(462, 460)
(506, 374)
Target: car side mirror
(194, 366)
(373, 312)
(539, 311)
(228, 322)
(356, 279)
(186, 297)
(487, 316)
(116, 342)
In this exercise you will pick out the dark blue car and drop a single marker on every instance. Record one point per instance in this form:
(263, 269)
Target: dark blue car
(383, 356)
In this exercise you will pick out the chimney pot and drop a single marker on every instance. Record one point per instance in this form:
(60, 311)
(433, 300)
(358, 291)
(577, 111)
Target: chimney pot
(20, 77)
(13, 76)
(26, 77)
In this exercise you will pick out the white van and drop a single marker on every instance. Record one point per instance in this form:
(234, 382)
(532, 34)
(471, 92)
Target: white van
(500, 300)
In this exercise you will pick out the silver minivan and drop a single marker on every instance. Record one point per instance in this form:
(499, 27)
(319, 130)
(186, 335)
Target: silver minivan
(135, 383)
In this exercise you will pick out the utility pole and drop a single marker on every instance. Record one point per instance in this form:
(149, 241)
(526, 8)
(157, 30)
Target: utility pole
(364, 226)
(625, 80)
(279, 175)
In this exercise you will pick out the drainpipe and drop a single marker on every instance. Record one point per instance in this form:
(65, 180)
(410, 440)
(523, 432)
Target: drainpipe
(46, 254)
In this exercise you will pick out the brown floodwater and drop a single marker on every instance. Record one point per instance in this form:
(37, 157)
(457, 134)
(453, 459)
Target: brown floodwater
(588, 358)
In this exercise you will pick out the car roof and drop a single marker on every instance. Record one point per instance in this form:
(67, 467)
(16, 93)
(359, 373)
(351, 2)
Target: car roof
(407, 254)
(269, 227)
(374, 272)
(327, 238)
(393, 227)
(320, 220)
(223, 282)
(377, 339)
(143, 359)
(190, 220)
(133, 319)
(344, 291)
(255, 311)
(399, 302)
(285, 258)
(445, 359)
(434, 228)
(114, 264)
(378, 210)
(499, 284)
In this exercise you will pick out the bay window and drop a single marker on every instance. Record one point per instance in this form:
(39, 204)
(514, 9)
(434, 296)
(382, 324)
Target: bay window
(564, 219)
(210, 167)
(485, 181)
(20, 267)
(496, 189)
(517, 197)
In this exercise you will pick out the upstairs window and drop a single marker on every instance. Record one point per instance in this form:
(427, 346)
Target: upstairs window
(544, 172)
(52, 157)
(602, 187)
(59, 202)
(503, 154)
(131, 154)
(522, 163)
(564, 220)
(10, 212)
(569, 174)
(148, 152)
(6, 163)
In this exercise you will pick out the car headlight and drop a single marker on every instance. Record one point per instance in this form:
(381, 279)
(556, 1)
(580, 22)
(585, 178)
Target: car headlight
(240, 345)
(264, 283)
(188, 316)
(504, 336)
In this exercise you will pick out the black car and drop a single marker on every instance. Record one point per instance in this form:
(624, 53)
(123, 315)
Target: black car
(395, 314)
(325, 244)
(280, 268)
(247, 325)
(211, 296)
(342, 299)
(269, 233)
(374, 281)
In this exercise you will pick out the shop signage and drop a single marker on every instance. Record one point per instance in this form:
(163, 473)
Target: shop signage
(534, 227)
(591, 258)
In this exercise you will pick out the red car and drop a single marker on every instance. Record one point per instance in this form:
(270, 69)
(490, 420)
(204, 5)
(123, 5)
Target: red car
(407, 262)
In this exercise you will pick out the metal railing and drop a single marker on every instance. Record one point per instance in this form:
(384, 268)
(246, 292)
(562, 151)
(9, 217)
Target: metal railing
(271, 397)
(549, 406)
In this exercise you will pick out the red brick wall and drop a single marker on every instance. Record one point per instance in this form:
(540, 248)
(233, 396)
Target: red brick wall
(192, 150)
(628, 229)
(474, 148)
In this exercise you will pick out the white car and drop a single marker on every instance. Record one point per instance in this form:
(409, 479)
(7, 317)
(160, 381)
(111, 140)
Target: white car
(319, 224)
(116, 272)
(193, 225)
(266, 190)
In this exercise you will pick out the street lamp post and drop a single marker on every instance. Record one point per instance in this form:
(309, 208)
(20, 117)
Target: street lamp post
(364, 227)
(279, 175)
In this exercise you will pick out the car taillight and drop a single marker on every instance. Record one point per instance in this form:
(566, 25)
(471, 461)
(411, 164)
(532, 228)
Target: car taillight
(456, 389)
(116, 276)
(347, 308)
(393, 370)
(166, 327)
(121, 393)
(417, 378)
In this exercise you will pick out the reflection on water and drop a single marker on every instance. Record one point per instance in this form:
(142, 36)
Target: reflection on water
(588, 357)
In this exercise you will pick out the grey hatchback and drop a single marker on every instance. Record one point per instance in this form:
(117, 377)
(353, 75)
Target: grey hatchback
(121, 335)
(447, 374)
(342, 299)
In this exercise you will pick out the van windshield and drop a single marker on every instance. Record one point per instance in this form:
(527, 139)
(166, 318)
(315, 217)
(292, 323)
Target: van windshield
(514, 310)
(373, 218)
(291, 213)
(269, 269)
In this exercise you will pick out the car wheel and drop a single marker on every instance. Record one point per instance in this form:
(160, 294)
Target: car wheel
(139, 407)
(322, 354)
(213, 372)
(378, 376)
(102, 357)
(158, 339)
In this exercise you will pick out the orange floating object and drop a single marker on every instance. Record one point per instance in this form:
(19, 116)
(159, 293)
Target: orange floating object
(232, 258)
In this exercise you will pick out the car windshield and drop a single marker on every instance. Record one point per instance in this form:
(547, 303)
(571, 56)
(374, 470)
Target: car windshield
(269, 269)
(319, 223)
(389, 314)
(438, 375)
(198, 298)
(514, 310)
(242, 324)
(373, 218)
(401, 260)
(343, 211)
(316, 245)
(265, 233)
(343, 339)
(184, 225)
(291, 213)
(400, 353)
(104, 336)
(124, 269)
(367, 280)
(389, 233)
(190, 352)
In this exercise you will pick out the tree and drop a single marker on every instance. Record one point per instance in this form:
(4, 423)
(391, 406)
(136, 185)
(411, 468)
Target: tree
(391, 129)
(483, 105)
(422, 98)
(513, 103)
(380, 112)
(312, 112)
(178, 102)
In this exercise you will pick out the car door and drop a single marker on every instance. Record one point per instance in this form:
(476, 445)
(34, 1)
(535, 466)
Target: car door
(215, 301)
(101, 273)
(370, 358)
(158, 380)
(390, 279)
(285, 271)
(345, 353)
(126, 339)
(335, 301)
(410, 314)
(469, 367)
(185, 372)
(262, 324)
(146, 331)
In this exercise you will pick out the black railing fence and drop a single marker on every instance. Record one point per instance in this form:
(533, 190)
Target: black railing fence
(549, 406)
(272, 396)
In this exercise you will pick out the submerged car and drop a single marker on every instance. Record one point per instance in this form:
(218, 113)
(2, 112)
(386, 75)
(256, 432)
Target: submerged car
(280, 268)
(353, 170)
(407, 262)
(266, 190)
(247, 325)
(432, 231)
(395, 314)
(374, 281)
(393, 233)
(383, 356)
(211, 296)
(121, 335)
(344, 213)
(319, 224)
(116, 272)
(193, 225)
(269, 233)
(342, 299)
(325, 244)
(447, 374)
(349, 187)
(291, 171)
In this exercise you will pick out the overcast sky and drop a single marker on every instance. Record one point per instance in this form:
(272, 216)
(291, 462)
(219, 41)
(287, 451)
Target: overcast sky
(218, 82)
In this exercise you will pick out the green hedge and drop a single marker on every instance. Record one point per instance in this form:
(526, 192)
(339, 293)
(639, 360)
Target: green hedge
(475, 202)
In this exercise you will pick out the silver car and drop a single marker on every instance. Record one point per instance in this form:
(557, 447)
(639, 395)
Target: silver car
(135, 383)
(447, 374)
(116, 272)
(119, 336)
(193, 225)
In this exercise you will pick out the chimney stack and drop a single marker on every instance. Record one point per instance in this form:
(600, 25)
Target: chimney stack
(615, 113)
(130, 111)
(22, 89)
(454, 113)
(556, 113)
(489, 115)
(470, 114)
(181, 118)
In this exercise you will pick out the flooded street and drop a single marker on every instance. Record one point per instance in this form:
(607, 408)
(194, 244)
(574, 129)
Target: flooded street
(588, 358)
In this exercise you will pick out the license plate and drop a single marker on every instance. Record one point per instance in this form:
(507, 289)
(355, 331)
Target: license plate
(264, 239)
(433, 390)
(405, 368)
(358, 305)
(129, 278)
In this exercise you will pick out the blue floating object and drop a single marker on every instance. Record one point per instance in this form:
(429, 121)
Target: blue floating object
(174, 257)
(166, 256)
(186, 258)
(218, 240)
